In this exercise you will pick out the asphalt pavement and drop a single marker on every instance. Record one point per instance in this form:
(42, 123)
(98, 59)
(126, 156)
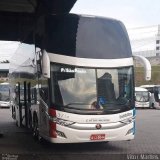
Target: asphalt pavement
(18, 143)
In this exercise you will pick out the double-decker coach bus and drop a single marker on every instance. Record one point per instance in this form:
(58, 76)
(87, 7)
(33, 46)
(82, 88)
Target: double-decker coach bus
(83, 85)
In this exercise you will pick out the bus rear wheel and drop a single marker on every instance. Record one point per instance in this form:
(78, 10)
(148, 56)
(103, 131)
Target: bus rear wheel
(13, 113)
(35, 128)
(153, 105)
(30, 121)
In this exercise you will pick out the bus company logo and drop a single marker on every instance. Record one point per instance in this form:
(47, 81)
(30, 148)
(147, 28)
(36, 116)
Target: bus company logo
(99, 120)
(98, 126)
(125, 115)
(75, 70)
(68, 70)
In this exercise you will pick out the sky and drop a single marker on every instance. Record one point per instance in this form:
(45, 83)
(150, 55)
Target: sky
(133, 13)
(140, 17)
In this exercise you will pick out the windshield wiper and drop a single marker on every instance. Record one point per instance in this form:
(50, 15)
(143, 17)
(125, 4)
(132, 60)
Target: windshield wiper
(76, 103)
(69, 105)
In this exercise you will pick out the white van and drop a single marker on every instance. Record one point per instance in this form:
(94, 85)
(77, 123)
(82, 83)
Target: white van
(142, 98)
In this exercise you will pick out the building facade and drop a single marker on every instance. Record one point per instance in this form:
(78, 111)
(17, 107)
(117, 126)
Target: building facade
(158, 42)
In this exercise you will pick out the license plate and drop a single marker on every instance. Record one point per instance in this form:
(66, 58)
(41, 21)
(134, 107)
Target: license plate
(97, 137)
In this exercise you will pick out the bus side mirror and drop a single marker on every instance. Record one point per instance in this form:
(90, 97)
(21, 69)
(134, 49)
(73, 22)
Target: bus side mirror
(45, 65)
(147, 66)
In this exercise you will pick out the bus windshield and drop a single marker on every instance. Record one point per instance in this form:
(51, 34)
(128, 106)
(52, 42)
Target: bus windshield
(85, 90)
(142, 96)
(4, 92)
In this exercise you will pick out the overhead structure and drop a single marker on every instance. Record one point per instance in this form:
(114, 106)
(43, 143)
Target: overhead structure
(18, 18)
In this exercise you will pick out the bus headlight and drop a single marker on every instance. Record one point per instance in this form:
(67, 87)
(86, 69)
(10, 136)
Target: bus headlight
(127, 121)
(63, 122)
(60, 121)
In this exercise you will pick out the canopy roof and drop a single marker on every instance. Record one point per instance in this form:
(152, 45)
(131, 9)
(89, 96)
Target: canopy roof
(18, 18)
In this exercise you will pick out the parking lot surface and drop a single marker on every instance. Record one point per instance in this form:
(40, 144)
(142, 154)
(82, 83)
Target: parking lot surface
(19, 141)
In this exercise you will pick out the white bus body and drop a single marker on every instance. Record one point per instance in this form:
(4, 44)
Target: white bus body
(84, 82)
(142, 97)
(155, 95)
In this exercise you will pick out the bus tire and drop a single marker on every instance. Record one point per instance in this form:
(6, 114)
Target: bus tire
(13, 113)
(35, 127)
(17, 123)
(30, 121)
(153, 105)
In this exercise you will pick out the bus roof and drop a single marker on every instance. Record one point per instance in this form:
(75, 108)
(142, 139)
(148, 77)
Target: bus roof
(4, 83)
(149, 86)
(140, 89)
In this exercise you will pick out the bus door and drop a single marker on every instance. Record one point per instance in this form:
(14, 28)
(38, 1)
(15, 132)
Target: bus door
(26, 103)
(43, 108)
(18, 105)
(157, 97)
